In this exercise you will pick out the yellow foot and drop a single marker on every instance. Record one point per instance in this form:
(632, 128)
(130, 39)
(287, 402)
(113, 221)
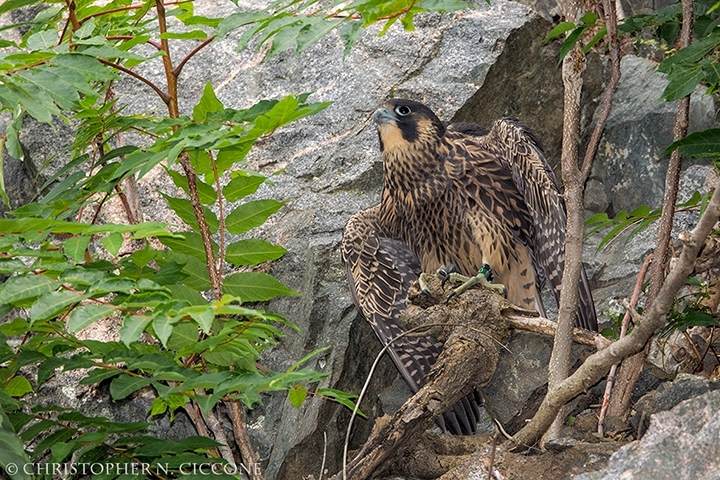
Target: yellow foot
(483, 277)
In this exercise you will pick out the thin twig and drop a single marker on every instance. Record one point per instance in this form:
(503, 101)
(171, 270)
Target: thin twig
(672, 177)
(631, 367)
(216, 427)
(242, 439)
(491, 460)
(164, 96)
(615, 54)
(623, 330)
(195, 50)
(221, 216)
(367, 384)
(322, 465)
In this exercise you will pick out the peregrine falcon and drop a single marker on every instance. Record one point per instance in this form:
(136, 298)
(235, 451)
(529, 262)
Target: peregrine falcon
(484, 203)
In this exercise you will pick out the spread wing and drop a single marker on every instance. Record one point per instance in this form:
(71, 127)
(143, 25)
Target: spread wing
(380, 272)
(523, 155)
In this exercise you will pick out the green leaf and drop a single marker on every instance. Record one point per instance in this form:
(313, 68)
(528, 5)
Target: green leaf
(191, 35)
(712, 71)
(75, 248)
(349, 33)
(237, 20)
(597, 218)
(126, 385)
(206, 193)
(570, 41)
(341, 397)
(112, 243)
(9, 5)
(208, 381)
(191, 245)
(85, 315)
(705, 143)
(133, 327)
(242, 185)
(163, 327)
(26, 287)
(598, 36)
(181, 292)
(314, 31)
(51, 304)
(691, 54)
(297, 395)
(682, 81)
(11, 447)
(255, 287)
(589, 19)
(559, 29)
(97, 375)
(185, 211)
(641, 211)
(252, 251)
(112, 285)
(184, 334)
(208, 103)
(17, 387)
(250, 215)
(43, 40)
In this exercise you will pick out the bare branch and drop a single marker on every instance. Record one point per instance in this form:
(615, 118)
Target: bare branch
(652, 319)
(548, 327)
(623, 330)
(195, 50)
(164, 96)
(242, 439)
(631, 368)
(611, 25)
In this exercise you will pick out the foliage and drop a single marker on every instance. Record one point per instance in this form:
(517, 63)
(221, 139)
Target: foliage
(637, 220)
(587, 21)
(697, 64)
(66, 271)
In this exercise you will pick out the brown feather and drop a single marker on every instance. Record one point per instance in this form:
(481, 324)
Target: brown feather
(461, 196)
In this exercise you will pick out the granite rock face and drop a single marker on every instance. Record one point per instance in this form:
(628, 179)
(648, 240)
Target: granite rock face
(475, 65)
(628, 165)
(680, 444)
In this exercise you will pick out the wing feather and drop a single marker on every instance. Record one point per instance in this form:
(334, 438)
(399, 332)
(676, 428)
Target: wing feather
(522, 154)
(380, 272)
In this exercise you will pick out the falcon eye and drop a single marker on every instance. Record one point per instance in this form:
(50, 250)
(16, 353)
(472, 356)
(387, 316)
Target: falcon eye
(403, 110)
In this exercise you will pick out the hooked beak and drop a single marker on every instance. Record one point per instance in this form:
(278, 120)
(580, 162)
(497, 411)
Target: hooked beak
(383, 115)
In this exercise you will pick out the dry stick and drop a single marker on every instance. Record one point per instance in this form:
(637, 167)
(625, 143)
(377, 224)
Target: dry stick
(615, 54)
(196, 418)
(623, 330)
(559, 366)
(548, 327)
(322, 465)
(364, 390)
(250, 460)
(241, 436)
(372, 371)
(592, 370)
(631, 368)
(574, 179)
(215, 425)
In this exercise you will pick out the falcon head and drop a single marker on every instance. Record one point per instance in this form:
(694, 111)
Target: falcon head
(403, 124)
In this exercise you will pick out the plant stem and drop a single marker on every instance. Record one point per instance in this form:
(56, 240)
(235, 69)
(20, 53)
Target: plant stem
(619, 408)
(592, 370)
(242, 439)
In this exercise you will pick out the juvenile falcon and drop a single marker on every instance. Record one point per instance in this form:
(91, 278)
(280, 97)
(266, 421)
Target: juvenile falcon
(484, 204)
